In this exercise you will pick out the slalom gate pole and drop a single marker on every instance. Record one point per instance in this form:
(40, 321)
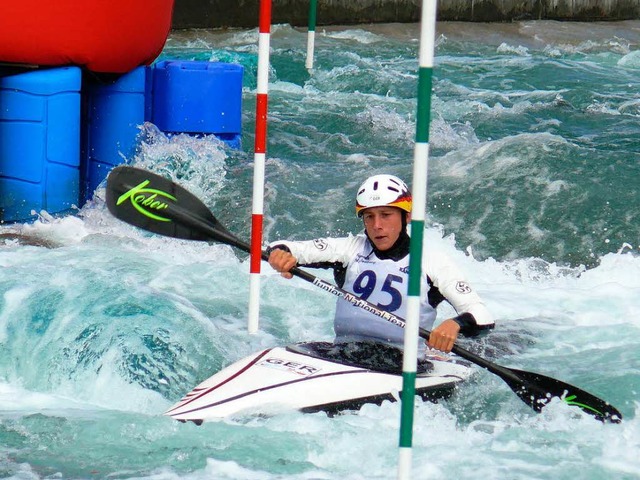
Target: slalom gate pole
(419, 193)
(311, 33)
(259, 163)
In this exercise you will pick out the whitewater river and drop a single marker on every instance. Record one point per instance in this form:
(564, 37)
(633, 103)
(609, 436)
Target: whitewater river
(533, 190)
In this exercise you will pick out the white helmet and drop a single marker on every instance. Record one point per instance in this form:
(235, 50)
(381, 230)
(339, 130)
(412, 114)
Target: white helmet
(383, 190)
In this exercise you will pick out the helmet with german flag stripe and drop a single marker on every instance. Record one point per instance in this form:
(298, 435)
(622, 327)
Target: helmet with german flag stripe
(383, 190)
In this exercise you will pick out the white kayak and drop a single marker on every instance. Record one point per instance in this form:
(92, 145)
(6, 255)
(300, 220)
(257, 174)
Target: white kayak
(315, 376)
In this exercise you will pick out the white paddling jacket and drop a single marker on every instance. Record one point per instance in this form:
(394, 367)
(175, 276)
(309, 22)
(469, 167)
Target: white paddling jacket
(384, 282)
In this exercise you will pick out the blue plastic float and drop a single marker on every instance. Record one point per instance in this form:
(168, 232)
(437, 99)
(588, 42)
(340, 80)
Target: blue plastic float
(39, 142)
(63, 129)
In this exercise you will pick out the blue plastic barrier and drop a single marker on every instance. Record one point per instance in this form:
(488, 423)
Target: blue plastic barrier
(199, 98)
(113, 112)
(52, 157)
(39, 141)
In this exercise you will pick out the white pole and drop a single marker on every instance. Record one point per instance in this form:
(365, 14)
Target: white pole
(311, 42)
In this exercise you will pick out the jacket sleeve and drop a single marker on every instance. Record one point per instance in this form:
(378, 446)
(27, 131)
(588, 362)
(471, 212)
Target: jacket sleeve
(473, 316)
(321, 251)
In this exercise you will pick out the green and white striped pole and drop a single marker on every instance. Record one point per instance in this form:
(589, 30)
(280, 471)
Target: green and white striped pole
(311, 34)
(419, 192)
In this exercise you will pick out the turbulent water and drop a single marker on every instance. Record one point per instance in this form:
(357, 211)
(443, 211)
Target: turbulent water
(533, 189)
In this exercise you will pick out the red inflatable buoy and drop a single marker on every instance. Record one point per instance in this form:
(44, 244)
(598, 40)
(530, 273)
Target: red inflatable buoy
(110, 36)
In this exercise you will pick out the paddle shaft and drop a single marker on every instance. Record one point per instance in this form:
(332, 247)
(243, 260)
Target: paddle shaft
(188, 219)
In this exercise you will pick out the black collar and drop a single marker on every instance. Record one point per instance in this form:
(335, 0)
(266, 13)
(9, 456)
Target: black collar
(398, 250)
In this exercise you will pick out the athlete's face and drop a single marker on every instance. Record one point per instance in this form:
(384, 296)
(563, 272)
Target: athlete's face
(383, 225)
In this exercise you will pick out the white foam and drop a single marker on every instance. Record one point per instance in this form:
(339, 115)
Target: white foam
(509, 49)
(357, 35)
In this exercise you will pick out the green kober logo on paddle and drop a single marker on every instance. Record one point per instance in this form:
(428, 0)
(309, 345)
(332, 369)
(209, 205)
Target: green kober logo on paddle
(148, 201)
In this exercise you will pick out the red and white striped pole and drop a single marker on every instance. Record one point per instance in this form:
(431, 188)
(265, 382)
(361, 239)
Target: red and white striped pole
(259, 162)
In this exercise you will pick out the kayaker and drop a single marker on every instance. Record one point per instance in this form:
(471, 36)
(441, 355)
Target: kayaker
(374, 265)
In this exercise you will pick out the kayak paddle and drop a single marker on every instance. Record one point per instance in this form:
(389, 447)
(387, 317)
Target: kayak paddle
(158, 205)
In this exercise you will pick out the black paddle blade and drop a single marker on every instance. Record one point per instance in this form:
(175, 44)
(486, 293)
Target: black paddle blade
(158, 205)
(537, 390)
